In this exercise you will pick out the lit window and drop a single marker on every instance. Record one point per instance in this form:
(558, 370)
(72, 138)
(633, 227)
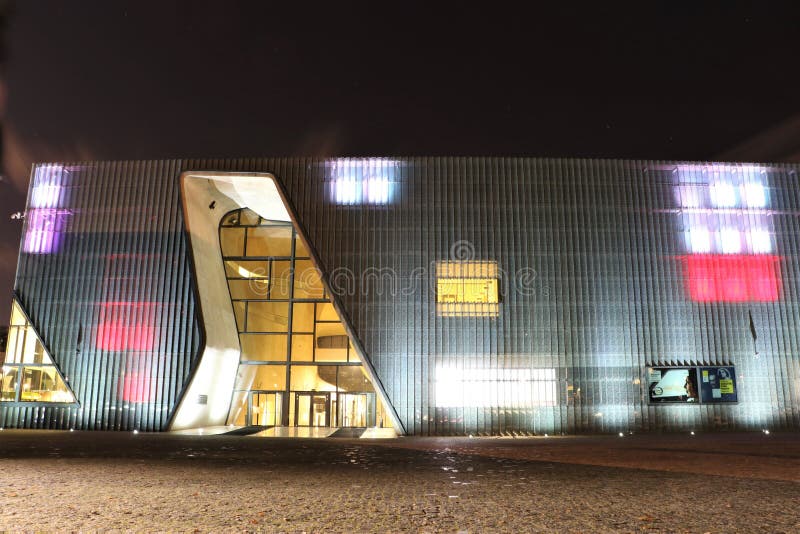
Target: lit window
(467, 289)
(730, 240)
(28, 373)
(723, 195)
(494, 388)
(700, 240)
(47, 190)
(43, 230)
(362, 181)
(754, 195)
(760, 242)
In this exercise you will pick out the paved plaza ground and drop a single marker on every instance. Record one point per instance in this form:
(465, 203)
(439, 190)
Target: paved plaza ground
(86, 481)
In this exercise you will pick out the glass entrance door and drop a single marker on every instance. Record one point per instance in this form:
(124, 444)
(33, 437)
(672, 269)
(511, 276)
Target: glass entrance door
(354, 409)
(264, 408)
(312, 409)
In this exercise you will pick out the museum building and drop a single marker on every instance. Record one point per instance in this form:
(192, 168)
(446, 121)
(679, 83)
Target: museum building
(430, 296)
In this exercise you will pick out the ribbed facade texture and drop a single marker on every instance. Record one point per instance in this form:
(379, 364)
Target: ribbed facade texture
(605, 268)
(104, 275)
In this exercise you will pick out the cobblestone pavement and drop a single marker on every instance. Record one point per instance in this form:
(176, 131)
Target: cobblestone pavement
(66, 481)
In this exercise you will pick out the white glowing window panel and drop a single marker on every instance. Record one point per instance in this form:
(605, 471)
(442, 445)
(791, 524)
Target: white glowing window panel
(47, 187)
(377, 190)
(754, 195)
(760, 242)
(730, 241)
(722, 194)
(495, 388)
(699, 240)
(362, 181)
(690, 196)
(346, 191)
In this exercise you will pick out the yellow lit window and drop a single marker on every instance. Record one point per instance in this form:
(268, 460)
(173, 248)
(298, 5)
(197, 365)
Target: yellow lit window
(27, 373)
(467, 289)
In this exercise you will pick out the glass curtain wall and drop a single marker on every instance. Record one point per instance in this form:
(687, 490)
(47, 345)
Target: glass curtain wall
(298, 366)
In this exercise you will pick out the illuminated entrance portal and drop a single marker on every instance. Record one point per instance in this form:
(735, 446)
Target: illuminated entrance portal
(298, 366)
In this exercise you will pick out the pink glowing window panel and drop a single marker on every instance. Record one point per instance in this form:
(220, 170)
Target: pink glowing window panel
(733, 278)
(136, 387)
(127, 326)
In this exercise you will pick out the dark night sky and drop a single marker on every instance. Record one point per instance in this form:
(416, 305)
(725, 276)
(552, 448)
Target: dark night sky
(135, 79)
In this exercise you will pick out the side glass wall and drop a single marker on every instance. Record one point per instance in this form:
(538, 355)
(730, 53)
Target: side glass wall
(297, 367)
(27, 373)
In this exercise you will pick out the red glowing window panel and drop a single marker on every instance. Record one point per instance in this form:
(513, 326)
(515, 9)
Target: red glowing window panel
(733, 278)
(127, 326)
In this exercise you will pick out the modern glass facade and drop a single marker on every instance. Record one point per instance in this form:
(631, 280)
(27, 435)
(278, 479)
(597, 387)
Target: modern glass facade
(298, 367)
(474, 295)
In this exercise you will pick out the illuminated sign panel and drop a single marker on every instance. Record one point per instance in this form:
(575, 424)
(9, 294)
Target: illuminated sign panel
(698, 385)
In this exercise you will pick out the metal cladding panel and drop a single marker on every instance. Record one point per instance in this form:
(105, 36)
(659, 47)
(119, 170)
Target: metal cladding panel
(606, 268)
(104, 275)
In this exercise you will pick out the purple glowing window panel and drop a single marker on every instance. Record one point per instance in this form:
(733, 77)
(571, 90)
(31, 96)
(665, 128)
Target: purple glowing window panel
(43, 231)
(48, 187)
(362, 181)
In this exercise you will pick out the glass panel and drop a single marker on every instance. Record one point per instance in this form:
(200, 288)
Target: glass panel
(265, 409)
(326, 312)
(232, 241)
(263, 347)
(382, 418)
(238, 413)
(472, 290)
(303, 317)
(17, 317)
(353, 378)
(302, 348)
(238, 310)
(248, 217)
(307, 282)
(467, 289)
(303, 410)
(313, 378)
(353, 409)
(16, 337)
(281, 285)
(8, 383)
(248, 289)
(269, 241)
(269, 377)
(331, 342)
(268, 316)
(300, 250)
(43, 384)
(34, 351)
(319, 410)
(246, 269)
